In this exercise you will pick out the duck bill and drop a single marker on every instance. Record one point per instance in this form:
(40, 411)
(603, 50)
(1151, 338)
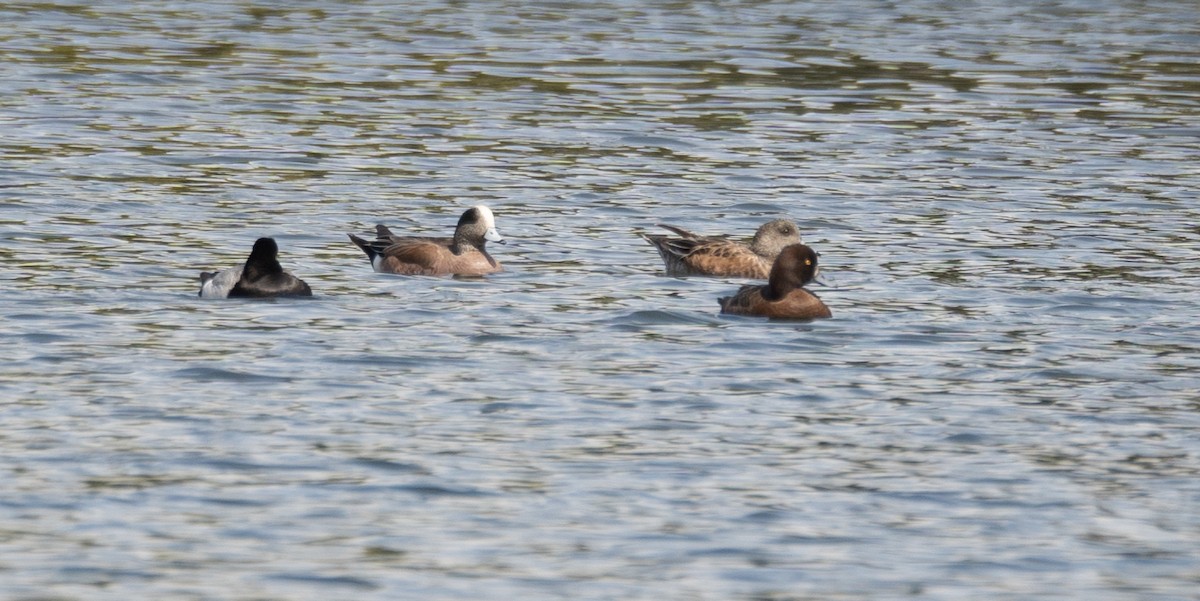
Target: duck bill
(493, 236)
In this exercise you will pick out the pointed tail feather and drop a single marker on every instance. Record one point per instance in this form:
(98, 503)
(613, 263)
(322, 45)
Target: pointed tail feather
(678, 230)
(365, 246)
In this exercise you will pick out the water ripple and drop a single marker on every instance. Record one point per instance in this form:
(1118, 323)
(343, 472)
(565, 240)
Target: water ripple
(1002, 407)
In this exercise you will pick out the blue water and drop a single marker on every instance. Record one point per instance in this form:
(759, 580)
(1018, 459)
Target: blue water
(1004, 405)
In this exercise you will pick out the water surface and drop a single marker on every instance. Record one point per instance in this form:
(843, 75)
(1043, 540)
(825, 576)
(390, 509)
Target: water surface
(1004, 406)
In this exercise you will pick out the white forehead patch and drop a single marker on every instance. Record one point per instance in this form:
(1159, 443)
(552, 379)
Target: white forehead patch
(489, 220)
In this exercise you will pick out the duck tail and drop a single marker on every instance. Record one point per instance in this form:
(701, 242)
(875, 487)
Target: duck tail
(677, 230)
(365, 246)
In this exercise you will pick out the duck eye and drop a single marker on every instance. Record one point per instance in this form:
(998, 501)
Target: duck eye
(808, 261)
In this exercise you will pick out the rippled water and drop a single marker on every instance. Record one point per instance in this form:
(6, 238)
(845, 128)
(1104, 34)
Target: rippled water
(1005, 405)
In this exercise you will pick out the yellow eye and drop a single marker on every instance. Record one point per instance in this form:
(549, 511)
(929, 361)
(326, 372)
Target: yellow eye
(808, 261)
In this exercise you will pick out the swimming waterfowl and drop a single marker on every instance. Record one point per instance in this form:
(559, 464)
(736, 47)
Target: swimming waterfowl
(692, 254)
(463, 255)
(783, 297)
(260, 277)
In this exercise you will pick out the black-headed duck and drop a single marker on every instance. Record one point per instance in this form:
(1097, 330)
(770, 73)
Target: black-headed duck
(783, 297)
(260, 277)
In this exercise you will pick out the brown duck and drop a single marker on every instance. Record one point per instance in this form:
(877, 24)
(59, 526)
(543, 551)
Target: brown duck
(783, 297)
(464, 254)
(692, 254)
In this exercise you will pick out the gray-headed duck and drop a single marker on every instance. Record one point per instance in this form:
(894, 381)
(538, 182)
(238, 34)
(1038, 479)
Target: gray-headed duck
(692, 254)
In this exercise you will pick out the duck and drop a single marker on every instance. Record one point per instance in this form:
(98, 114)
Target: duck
(260, 277)
(463, 255)
(692, 254)
(783, 297)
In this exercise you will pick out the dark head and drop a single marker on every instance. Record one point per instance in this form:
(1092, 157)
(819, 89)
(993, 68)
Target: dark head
(476, 226)
(773, 236)
(263, 259)
(795, 267)
(263, 277)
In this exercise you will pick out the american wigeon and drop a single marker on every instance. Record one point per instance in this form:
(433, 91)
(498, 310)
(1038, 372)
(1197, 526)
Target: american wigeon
(783, 296)
(464, 254)
(691, 254)
(260, 277)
